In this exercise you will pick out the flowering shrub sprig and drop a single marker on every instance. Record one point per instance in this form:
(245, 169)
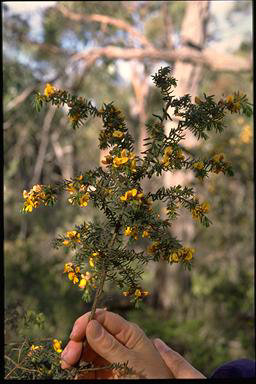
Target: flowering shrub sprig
(106, 251)
(116, 188)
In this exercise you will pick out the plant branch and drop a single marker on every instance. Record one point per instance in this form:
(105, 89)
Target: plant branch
(99, 290)
(104, 19)
(208, 57)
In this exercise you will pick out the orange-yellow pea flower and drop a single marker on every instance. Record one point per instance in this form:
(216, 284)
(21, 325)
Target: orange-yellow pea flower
(72, 234)
(57, 345)
(82, 282)
(49, 89)
(68, 267)
(118, 134)
(218, 157)
(91, 262)
(128, 231)
(229, 99)
(198, 165)
(174, 257)
(137, 293)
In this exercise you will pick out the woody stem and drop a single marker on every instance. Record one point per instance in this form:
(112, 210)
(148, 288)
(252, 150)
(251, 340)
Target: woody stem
(100, 287)
(101, 284)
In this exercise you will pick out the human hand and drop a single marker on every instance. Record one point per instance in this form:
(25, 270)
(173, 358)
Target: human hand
(179, 367)
(112, 339)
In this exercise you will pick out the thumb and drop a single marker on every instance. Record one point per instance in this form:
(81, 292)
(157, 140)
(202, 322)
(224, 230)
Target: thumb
(180, 368)
(105, 344)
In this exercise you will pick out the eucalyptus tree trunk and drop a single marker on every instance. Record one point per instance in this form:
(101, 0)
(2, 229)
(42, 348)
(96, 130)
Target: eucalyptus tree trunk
(171, 282)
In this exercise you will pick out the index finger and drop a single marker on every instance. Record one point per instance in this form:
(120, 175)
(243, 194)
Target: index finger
(79, 328)
(124, 331)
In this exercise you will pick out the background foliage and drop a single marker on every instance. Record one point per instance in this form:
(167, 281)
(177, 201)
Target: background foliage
(214, 320)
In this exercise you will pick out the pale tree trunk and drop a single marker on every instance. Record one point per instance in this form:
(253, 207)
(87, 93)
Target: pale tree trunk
(140, 86)
(172, 281)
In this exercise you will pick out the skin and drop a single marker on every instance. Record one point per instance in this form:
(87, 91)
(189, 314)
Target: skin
(113, 339)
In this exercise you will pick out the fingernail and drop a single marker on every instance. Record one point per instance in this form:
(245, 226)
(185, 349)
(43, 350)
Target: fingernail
(96, 330)
(64, 365)
(161, 345)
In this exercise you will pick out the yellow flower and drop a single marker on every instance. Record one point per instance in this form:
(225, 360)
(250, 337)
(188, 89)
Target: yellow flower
(174, 257)
(168, 151)
(165, 161)
(133, 165)
(68, 267)
(95, 254)
(218, 157)
(137, 293)
(200, 209)
(198, 100)
(123, 153)
(70, 188)
(41, 195)
(91, 262)
(153, 247)
(49, 89)
(74, 118)
(119, 161)
(83, 282)
(66, 242)
(124, 197)
(73, 277)
(36, 347)
(145, 234)
(83, 202)
(188, 253)
(129, 194)
(72, 234)
(132, 156)
(118, 134)
(166, 157)
(205, 207)
(184, 252)
(29, 205)
(57, 345)
(229, 99)
(199, 165)
(125, 293)
(128, 231)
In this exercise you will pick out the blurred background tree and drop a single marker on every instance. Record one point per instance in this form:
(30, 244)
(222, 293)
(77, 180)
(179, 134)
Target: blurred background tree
(107, 51)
